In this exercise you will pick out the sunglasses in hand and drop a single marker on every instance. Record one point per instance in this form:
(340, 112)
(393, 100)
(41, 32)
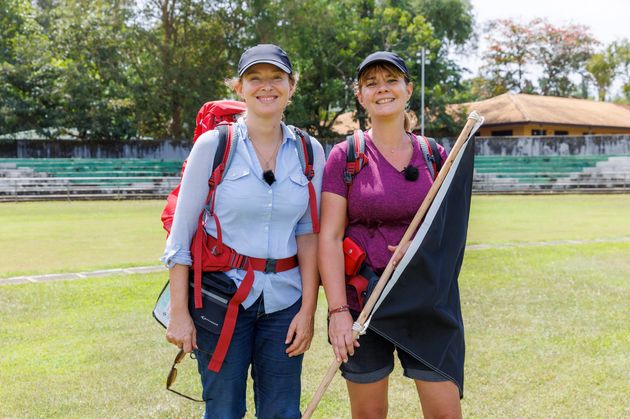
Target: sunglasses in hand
(172, 376)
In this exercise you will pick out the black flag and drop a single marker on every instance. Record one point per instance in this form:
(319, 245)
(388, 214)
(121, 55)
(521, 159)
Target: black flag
(419, 309)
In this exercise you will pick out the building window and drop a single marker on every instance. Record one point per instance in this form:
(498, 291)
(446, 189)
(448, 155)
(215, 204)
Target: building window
(539, 132)
(504, 133)
(557, 132)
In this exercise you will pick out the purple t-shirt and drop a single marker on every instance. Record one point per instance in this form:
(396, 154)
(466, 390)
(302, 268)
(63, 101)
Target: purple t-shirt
(381, 202)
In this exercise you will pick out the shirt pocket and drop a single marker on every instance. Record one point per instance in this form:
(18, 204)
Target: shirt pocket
(236, 173)
(298, 179)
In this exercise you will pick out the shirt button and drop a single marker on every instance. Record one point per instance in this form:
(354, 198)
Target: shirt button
(269, 205)
(269, 191)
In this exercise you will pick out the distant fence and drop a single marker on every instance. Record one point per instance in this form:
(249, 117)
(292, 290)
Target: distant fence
(42, 170)
(608, 145)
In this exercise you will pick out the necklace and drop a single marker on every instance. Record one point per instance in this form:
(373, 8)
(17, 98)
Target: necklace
(392, 150)
(268, 174)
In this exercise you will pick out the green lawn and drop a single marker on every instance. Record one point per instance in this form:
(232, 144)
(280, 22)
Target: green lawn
(47, 237)
(547, 328)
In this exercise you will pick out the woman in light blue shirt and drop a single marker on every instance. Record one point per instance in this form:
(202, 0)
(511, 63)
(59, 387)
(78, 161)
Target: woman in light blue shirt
(263, 207)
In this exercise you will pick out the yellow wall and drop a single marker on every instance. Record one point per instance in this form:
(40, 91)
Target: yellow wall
(526, 129)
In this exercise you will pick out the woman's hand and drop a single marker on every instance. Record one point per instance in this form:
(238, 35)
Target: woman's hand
(398, 254)
(341, 335)
(300, 333)
(181, 331)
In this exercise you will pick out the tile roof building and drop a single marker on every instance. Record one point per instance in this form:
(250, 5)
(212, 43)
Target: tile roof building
(512, 114)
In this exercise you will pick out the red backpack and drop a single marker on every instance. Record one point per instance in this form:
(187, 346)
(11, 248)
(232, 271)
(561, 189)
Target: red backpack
(209, 116)
(210, 253)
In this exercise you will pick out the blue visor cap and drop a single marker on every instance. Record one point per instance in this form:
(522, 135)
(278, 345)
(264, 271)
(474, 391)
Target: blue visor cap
(264, 53)
(383, 57)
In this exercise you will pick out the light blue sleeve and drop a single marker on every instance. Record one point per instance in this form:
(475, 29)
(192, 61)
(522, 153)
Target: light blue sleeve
(305, 225)
(191, 200)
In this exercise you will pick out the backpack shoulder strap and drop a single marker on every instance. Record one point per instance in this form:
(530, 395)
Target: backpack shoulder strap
(225, 149)
(355, 156)
(305, 152)
(431, 154)
(306, 156)
(436, 154)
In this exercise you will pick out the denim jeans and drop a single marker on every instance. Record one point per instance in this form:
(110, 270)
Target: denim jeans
(258, 341)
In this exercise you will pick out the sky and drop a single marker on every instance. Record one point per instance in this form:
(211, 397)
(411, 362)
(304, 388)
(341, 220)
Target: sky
(609, 20)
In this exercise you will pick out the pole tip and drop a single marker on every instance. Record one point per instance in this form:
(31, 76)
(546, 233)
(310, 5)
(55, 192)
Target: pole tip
(475, 116)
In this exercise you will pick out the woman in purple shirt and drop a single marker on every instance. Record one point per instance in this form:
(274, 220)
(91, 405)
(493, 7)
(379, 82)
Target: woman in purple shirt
(374, 211)
(263, 207)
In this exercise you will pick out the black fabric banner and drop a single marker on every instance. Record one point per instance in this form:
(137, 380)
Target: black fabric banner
(419, 310)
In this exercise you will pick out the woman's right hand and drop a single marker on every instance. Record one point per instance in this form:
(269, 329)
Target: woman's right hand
(181, 331)
(341, 335)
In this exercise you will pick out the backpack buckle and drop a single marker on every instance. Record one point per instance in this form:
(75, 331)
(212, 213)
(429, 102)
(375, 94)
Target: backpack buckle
(270, 266)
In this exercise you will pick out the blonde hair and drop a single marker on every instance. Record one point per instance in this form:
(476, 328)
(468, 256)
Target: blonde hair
(386, 68)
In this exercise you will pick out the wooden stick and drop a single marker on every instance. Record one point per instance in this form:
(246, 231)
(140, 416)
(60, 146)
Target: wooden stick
(473, 118)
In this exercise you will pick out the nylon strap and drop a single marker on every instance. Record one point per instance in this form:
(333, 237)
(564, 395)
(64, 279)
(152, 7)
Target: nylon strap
(227, 330)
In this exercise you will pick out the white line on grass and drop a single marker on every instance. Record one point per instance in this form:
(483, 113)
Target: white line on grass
(150, 269)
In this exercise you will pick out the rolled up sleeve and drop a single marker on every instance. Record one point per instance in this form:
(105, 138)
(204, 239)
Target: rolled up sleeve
(191, 200)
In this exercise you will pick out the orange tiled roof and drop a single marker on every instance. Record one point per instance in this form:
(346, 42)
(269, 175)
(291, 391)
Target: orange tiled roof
(511, 108)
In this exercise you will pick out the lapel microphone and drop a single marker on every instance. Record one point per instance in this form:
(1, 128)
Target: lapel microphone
(411, 173)
(270, 178)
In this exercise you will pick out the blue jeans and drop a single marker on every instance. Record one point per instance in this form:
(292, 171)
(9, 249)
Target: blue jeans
(258, 341)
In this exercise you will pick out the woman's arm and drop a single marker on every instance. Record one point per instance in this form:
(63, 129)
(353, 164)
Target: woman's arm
(177, 257)
(333, 221)
(181, 329)
(300, 331)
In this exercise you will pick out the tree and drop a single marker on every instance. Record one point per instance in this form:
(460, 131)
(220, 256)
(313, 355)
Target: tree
(561, 51)
(92, 83)
(515, 50)
(602, 68)
(453, 28)
(28, 71)
(622, 52)
(178, 57)
(508, 55)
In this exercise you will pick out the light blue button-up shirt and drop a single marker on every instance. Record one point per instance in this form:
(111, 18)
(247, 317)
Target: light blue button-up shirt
(257, 219)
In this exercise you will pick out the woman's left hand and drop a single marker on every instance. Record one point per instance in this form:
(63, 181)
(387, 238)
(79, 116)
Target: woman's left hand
(401, 252)
(300, 333)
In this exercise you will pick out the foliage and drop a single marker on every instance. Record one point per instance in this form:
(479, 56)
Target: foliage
(29, 72)
(515, 49)
(179, 61)
(622, 52)
(124, 68)
(561, 52)
(602, 67)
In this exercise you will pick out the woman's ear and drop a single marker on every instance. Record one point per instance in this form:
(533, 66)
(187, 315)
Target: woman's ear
(359, 96)
(410, 89)
(238, 89)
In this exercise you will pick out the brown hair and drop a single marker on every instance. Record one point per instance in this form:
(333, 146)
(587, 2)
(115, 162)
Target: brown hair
(388, 68)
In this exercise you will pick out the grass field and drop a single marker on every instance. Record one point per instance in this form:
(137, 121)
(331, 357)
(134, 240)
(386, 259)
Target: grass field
(547, 327)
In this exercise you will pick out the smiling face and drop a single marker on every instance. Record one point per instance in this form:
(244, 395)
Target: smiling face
(266, 90)
(383, 91)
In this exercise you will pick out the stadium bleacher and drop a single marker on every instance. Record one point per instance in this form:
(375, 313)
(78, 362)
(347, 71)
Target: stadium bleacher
(77, 178)
(33, 179)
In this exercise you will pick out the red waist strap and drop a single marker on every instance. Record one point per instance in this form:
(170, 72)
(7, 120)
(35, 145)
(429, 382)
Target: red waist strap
(211, 255)
(227, 330)
(273, 265)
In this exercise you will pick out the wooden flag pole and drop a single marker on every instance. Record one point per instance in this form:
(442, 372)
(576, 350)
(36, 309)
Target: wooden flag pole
(472, 120)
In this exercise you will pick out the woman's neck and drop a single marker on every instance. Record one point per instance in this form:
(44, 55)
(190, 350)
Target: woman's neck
(388, 132)
(263, 131)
